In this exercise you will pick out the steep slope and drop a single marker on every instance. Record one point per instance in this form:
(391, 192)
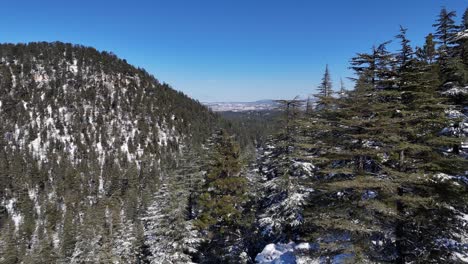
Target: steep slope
(84, 139)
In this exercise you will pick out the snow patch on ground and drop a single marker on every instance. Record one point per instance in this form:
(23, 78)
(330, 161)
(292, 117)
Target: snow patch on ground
(74, 67)
(461, 257)
(306, 166)
(456, 180)
(462, 35)
(454, 114)
(285, 253)
(277, 253)
(456, 91)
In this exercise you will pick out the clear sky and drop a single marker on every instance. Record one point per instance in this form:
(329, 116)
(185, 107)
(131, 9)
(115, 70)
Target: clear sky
(226, 50)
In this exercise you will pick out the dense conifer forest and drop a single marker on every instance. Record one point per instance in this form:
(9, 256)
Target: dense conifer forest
(100, 162)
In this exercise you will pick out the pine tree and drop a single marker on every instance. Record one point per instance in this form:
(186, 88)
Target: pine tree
(406, 52)
(409, 69)
(285, 193)
(462, 38)
(69, 236)
(308, 105)
(464, 24)
(425, 64)
(376, 69)
(221, 204)
(290, 110)
(10, 246)
(451, 67)
(446, 31)
(428, 52)
(325, 89)
(342, 88)
(170, 236)
(284, 175)
(453, 71)
(123, 244)
(46, 252)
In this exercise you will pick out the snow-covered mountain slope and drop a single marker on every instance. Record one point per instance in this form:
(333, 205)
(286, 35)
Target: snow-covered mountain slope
(84, 137)
(63, 98)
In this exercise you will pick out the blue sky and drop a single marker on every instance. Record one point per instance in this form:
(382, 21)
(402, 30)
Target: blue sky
(227, 50)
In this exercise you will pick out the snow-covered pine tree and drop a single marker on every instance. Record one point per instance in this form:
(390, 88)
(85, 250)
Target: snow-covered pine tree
(283, 175)
(126, 241)
(284, 193)
(170, 235)
(376, 183)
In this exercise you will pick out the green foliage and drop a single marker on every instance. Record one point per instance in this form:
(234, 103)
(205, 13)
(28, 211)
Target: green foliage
(380, 150)
(81, 189)
(222, 202)
(385, 159)
(326, 87)
(225, 187)
(251, 128)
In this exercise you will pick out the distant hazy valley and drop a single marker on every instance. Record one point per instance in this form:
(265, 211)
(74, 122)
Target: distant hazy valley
(261, 105)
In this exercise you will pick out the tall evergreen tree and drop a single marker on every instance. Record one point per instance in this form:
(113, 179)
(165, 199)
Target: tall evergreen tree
(406, 51)
(308, 105)
(450, 59)
(284, 179)
(169, 234)
(462, 38)
(450, 63)
(221, 204)
(291, 111)
(404, 59)
(325, 89)
(342, 88)
(446, 31)
(428, 51)
(376, 69)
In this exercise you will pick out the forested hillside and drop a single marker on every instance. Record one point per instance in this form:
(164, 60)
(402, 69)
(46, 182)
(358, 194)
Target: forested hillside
(85, 141)
(101, 163)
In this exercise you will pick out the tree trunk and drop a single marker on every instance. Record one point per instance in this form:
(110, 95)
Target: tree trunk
(402, 160)
(399, 230)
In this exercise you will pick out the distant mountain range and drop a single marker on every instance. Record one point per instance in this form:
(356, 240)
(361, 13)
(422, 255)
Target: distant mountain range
(261, 105)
